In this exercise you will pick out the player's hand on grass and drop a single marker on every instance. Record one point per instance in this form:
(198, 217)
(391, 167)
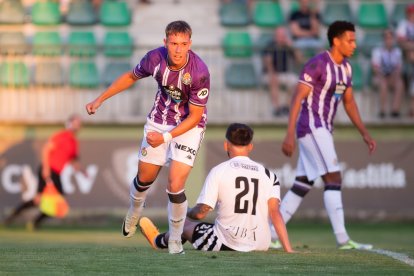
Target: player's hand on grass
(93, 106)
(155, 139)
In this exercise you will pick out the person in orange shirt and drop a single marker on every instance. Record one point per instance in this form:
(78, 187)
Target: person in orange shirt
(59, 150)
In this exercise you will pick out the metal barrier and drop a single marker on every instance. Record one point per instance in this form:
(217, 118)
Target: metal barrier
(39, 103)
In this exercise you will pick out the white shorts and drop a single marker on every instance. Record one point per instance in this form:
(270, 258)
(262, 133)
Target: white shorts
(182, 148)
(317, 155)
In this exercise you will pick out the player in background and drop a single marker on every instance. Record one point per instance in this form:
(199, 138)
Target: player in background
(325, 81)
(175, 125)
(61, 148)
(246, 195)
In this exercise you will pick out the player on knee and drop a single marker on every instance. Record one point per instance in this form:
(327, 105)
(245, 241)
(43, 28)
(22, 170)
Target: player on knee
(246, 196)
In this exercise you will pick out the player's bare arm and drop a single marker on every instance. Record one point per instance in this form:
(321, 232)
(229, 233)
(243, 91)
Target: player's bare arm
(302, 91)
(279, 224)
(125, 81)
(351, 109)
(199, 211)
(196, 112)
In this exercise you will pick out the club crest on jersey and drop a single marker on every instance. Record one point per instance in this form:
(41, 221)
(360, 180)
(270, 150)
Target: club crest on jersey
(186, 79)
(203, 93)
(340, 89)
(144, 152)
(175, 93)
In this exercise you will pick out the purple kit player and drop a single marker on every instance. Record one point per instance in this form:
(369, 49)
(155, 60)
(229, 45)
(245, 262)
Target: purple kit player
(325, 81)
(175, 125)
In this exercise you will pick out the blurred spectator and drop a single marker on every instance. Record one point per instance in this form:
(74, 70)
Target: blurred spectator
(278, 58)
(97, 4)
(305, 25)
(405, 36)
(59, 150)
(387, 66)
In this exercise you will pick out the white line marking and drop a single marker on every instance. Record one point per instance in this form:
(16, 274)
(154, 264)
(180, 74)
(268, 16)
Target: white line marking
(395, 255)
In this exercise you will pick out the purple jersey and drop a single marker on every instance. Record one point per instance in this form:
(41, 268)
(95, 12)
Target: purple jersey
(176, 88)
(328, 81)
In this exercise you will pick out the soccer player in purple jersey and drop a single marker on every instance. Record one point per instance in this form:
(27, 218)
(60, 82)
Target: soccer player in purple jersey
(325, 81)
(175, 125)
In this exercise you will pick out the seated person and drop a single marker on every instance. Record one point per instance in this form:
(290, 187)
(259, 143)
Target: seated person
(278, 58)
(244, 209)
(387, 65)
(405, 37)
(304, 25)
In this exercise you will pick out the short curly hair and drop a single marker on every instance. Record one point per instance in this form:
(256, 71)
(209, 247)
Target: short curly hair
(338, 28)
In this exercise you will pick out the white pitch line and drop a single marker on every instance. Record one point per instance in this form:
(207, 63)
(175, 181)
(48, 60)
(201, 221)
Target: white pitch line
(395, 255)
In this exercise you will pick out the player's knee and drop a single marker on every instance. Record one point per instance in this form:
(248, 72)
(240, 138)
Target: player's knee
(141, 186)
(301, 186)
(177, 197)
(332, 177)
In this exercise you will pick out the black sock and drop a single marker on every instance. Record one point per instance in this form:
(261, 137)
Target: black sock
(160, 241)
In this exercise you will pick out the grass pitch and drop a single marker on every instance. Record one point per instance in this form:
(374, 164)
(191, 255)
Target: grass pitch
(57, 250)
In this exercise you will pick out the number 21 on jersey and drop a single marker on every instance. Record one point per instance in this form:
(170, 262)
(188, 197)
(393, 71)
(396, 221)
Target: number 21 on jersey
(243, 199)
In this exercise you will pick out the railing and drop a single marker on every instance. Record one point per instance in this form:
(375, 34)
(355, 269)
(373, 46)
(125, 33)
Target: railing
(43, 104)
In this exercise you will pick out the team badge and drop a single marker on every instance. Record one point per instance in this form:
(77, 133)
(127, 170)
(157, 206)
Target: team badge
(203, 93)
(144, 152)
(186, 78)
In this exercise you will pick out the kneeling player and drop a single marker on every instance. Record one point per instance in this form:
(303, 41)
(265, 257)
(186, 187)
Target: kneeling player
(246, 195)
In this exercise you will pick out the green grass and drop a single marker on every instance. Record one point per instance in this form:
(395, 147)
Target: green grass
(56, 250)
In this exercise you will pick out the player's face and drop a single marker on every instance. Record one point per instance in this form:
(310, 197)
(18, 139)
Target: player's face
(346, 43)
(76, 124)
(177, 46)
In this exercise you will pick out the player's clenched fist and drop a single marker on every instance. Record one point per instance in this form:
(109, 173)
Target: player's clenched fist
(93, 106)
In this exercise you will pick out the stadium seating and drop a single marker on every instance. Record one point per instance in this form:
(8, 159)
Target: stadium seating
(13, 43)
(12, 12)
(241, 76)
(371, 39)
(47, 44)
(83, 74)
(48, 74)
(234, 15)
(336, 11)
(268, 14)
(114, 13)
(398, 13)
(14, 74)
(118, 44)
(82, 44)
(263, 40)
(46, 13)
(237, 44)
(358, 76)
(81, 12)
(372, 15)
(114, 70)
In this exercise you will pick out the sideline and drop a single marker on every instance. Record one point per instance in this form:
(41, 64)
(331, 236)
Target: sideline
(395, 255)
